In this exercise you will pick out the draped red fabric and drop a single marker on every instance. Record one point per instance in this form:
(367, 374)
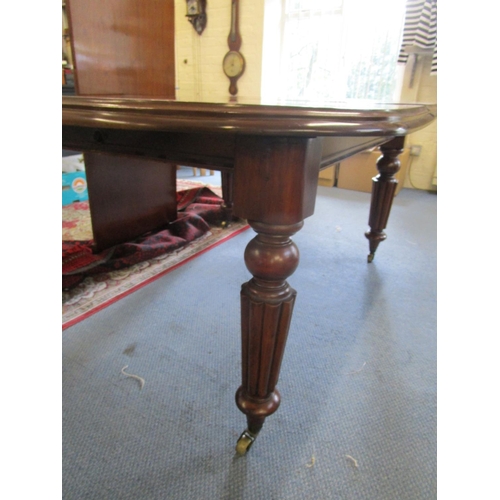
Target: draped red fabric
(198, 208)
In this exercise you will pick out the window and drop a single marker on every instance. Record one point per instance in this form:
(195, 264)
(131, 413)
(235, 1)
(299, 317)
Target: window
(331, 50)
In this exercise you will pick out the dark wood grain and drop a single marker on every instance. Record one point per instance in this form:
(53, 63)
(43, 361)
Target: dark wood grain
(123, 47)
(275, 178)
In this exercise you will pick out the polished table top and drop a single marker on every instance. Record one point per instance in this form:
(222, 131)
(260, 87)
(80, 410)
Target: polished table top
(298, 119)
(359, 125)
(270, 157)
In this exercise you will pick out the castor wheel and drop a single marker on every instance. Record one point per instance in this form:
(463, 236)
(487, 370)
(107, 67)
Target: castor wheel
(371, 256)
(244, 442)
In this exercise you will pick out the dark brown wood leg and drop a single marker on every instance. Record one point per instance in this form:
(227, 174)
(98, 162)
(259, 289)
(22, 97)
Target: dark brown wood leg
(266, 310)
(383, 189)
(227, 195)
(275, 183)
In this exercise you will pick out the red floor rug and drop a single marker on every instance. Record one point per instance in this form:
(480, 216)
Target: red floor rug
(92, 282)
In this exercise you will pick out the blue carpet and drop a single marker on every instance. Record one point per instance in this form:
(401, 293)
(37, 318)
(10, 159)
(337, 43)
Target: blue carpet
(358, 381)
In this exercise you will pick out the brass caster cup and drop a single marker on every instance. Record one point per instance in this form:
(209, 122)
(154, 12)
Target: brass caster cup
(244, 443)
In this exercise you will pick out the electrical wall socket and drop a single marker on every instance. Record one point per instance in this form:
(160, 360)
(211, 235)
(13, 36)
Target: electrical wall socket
(415, 150)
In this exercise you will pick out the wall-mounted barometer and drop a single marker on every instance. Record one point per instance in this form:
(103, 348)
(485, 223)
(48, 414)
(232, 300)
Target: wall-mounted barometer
(234, 62)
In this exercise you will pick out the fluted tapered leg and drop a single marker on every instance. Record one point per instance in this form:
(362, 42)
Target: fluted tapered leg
(266, 309)
(383, 190)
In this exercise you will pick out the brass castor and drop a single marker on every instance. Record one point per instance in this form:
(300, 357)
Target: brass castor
(244, 442)
(371, 256)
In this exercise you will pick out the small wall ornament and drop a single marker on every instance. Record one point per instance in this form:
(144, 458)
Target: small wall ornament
(196, 14)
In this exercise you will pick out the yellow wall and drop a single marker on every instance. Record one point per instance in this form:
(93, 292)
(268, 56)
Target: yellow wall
(199, 72)
(423, 168)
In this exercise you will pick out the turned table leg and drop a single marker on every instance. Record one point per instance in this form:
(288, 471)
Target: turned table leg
(266, 309)
(275, 184)
(227, 195)
(383, 190)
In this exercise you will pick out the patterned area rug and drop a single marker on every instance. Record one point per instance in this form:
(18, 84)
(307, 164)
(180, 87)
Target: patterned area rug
(98, 291)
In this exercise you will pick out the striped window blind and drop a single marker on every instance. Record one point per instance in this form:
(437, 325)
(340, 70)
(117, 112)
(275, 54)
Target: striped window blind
(420, 29)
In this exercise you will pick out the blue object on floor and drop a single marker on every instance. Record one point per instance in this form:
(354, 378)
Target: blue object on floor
(74, 187)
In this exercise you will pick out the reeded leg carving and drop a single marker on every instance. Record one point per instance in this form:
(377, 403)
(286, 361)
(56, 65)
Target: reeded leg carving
(383, 190)
(266, 310)
(227, 195)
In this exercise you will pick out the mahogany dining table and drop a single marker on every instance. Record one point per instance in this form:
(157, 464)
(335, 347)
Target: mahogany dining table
(269, 157)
